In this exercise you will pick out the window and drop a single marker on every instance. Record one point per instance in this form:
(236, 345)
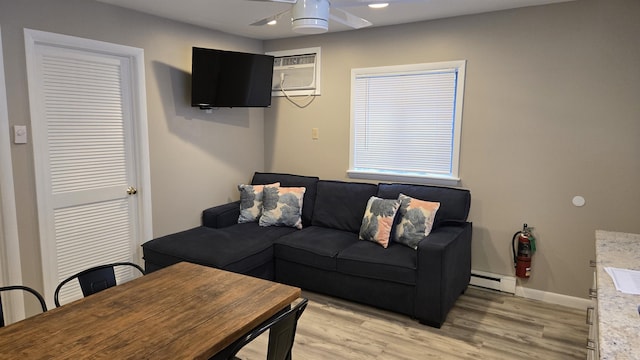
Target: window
(405, 122)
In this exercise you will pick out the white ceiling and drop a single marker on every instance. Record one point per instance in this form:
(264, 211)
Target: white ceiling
(234, 16)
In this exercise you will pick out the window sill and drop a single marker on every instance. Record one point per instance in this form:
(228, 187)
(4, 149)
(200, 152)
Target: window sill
(407, 178)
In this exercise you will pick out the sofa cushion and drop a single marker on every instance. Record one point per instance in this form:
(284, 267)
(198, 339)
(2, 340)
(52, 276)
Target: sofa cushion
(314, 246)
(378, 220)
(454, 203)
(397, 263)
(238, 248)
(282, 206)
(251, 202)
(415, 220)
(340, 205)
(308, 182)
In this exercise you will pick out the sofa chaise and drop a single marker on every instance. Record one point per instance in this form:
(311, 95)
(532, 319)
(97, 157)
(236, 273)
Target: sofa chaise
(324, 252)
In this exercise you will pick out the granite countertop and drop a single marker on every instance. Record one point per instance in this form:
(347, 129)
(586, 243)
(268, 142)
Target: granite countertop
(618, 318)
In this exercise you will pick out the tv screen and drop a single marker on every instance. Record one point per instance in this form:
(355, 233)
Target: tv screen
(222, 78)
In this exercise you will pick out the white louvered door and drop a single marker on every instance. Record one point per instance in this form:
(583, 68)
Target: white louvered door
(82, 119)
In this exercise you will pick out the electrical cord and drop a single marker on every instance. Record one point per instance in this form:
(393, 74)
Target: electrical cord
(301, 106)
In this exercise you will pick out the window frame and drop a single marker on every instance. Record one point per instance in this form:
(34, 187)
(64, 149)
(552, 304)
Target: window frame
(423, 177)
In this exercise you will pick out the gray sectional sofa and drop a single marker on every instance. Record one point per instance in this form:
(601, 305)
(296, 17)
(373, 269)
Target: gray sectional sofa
(327, 256)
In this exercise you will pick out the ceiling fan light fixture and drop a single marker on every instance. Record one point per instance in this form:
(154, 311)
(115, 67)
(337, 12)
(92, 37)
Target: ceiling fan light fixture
(310, 26)
(378, 5)
(272, 22)
(310, 16)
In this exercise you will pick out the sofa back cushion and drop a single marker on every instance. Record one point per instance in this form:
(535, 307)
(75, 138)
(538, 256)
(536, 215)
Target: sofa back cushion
(340, 205)
(288, 180)
(454, 203)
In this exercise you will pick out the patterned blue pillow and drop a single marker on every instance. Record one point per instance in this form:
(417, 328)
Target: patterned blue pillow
(251, 202)
(282, 206)
(416, 220)
(378, 220)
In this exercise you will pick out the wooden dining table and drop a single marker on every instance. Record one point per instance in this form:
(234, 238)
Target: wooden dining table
(184, 311)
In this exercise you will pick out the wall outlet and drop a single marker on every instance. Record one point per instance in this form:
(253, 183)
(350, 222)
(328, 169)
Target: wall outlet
(19, 134)
(315, 134)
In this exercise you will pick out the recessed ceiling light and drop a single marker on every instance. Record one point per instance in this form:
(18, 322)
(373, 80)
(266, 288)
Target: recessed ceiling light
(272, 22)
(378, 5)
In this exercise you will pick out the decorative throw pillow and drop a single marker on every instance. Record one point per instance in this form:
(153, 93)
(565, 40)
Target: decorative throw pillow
(416, 220)
(251, 202)
(378, 220)
(282, 206)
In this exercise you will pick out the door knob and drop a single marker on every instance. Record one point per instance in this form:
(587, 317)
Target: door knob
(131, 190)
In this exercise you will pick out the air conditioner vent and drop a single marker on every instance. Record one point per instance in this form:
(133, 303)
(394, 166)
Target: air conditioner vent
(296, 71)
(307, 59)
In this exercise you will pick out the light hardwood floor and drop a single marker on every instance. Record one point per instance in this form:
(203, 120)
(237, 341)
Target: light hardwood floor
(482, 325)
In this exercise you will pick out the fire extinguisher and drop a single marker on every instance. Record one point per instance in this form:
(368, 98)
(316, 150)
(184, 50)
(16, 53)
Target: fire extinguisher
(525, 249)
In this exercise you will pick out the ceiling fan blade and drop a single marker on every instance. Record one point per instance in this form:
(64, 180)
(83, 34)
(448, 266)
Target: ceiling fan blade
(355, 3)
(348, 19)
(280, 1)
(266, 20)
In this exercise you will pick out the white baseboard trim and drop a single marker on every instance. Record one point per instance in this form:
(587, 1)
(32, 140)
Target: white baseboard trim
(507, 284)
(553, 298)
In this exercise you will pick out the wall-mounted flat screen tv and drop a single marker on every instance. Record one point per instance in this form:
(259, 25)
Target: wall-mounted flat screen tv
(221, 78)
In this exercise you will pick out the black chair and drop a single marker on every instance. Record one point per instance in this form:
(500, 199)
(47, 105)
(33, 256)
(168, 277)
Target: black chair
(24, 288)
(282, 332)
(95, 279)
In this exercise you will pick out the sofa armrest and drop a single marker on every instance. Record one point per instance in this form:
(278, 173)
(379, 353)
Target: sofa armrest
(222, 215)
(444, 271)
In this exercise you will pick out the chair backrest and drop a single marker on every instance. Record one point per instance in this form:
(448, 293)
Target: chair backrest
(282, 332)
(94, 279)
(23, 288)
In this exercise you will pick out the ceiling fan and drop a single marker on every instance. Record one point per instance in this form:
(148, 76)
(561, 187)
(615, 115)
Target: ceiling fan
(311, 16)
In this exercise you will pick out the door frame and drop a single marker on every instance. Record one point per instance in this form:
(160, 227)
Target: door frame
(139, 123)
(10, 269)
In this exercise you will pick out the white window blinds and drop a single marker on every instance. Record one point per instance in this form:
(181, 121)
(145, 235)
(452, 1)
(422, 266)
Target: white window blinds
(405, 120)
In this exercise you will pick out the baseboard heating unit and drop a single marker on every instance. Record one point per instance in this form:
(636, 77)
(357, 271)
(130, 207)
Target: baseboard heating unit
(501, 283)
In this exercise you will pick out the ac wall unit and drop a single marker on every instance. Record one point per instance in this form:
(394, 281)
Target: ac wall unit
(297, 72)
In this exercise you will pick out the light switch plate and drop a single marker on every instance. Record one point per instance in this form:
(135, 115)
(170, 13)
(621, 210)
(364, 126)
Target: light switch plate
(20, 134)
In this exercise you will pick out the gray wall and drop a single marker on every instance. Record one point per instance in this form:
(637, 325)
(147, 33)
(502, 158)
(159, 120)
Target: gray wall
(551, 111)
(196, 158)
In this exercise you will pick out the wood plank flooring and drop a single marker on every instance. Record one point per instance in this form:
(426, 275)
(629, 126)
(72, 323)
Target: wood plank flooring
(482, 325)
